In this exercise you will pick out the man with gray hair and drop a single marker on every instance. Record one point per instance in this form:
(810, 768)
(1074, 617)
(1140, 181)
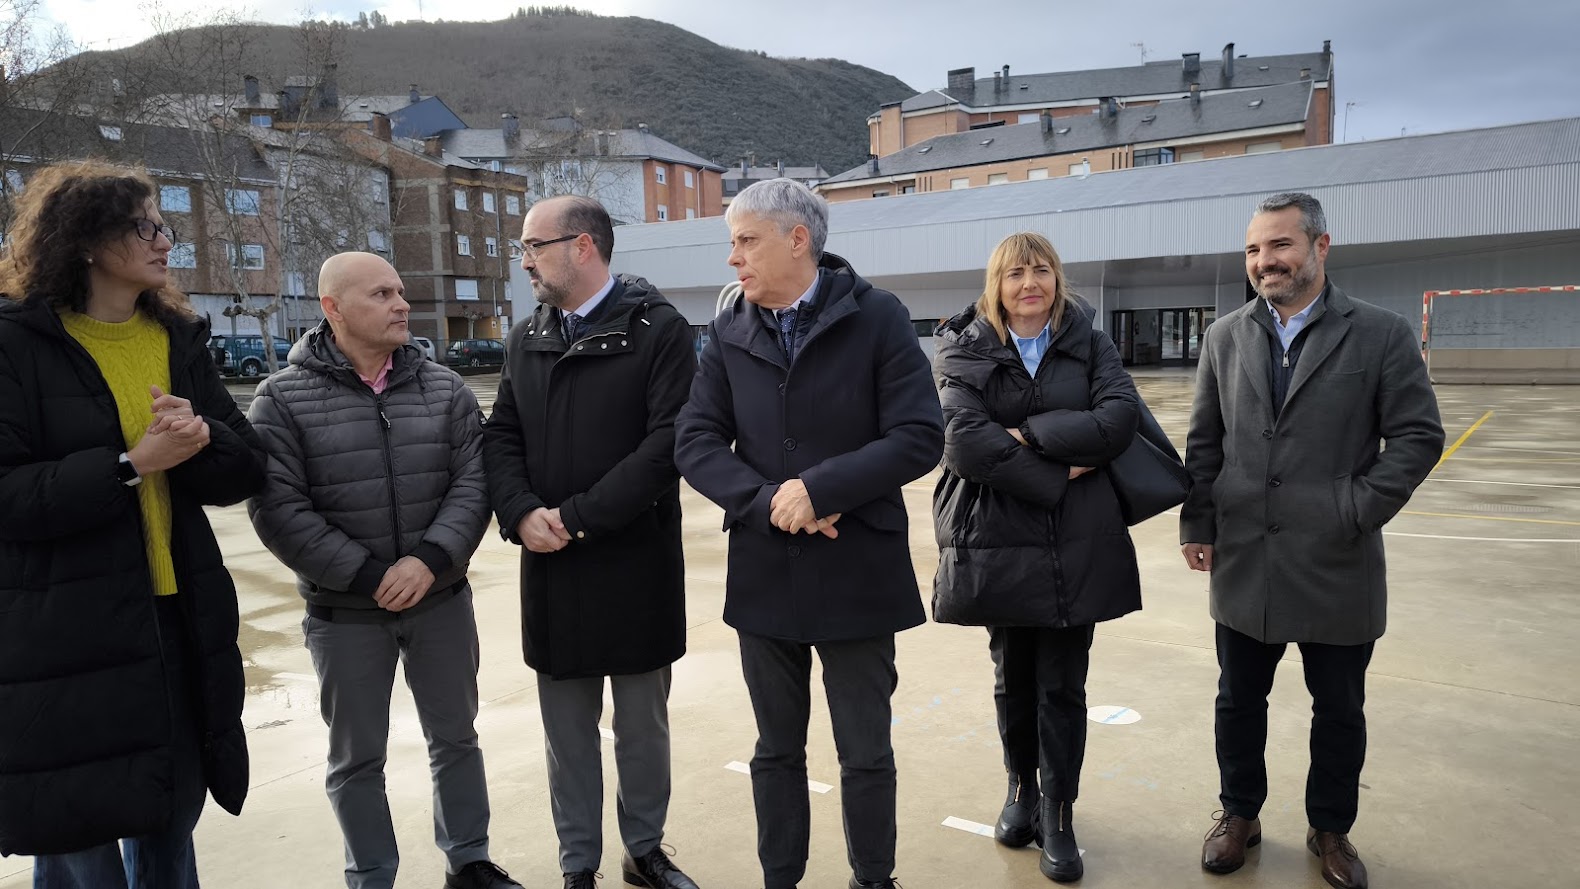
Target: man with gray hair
(1314, 421)
(813, 405)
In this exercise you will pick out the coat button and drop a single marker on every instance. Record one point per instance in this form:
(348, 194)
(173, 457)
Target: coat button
(623, 343)
(1273, 529)
(1267, 433)
(795, 552)
(604, 346)
(581, 535)
(789, 444)
(781, 388)
(579, 348)
(1273, 483)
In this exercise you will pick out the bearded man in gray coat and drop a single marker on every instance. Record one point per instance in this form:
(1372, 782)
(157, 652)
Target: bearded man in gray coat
(1297, 394)
(374, 496)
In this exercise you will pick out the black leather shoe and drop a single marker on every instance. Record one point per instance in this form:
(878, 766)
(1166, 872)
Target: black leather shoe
(1018, 823)
(1061, 857)
(581, 880)
(879, 884)
(655, 871)
(480, 875)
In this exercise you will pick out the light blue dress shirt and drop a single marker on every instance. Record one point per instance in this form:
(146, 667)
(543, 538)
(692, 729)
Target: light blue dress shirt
(1032, 350)
(1297, 323)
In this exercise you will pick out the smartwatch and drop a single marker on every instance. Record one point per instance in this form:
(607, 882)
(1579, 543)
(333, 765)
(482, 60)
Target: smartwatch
(126, 473)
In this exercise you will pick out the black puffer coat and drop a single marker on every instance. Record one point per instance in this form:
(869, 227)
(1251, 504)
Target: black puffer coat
(1021, 545)
(85, 727)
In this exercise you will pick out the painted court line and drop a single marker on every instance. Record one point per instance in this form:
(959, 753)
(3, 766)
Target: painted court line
(1484, 539)
(1468, 481)
(1492, 518)
(814, 786)
(1461, 440)
(981, 830)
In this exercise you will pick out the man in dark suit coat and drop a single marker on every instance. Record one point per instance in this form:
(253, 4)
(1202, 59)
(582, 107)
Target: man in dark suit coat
(817, 381)
(1295, 393)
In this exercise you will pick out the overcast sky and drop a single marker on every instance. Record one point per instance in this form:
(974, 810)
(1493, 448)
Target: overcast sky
(1406, 65)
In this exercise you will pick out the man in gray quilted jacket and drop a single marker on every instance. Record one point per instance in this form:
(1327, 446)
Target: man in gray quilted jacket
(375, 498)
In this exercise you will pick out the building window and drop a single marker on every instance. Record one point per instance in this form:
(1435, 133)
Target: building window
(1152, 157)
(113, 134)
(182, 256)
(1263, 147)
(1036, 173)
(512, 169)
(661, 173)
(465, 288)
(376, 241)
(663, 213)
(463, 245)
(571, 170)
(512, 205)
(690, 213)
(998, 178)
(263, 120)
(1028, 117)
(13, 181)
(690, 181)
(242, 202)
(250, 257)
(491, 246)
(957, 184)
(1078, 169)
(295, 284)
(496, 166)
(175, 199)
(880, 192)
(488, 202)
(460, 199)
(908, 189)
(1187, 156)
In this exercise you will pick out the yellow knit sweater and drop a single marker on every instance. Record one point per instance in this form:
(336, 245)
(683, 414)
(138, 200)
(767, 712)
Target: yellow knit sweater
(134, 355)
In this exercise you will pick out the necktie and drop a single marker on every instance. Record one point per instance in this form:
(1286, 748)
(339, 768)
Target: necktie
(573, 327)
(787, 332)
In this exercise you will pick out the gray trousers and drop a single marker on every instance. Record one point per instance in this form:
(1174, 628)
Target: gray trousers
(571, 709)
(859, 678)
(355, 663)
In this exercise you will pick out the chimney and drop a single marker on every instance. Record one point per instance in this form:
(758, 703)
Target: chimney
(601, 142)
(249, 85)
(287, 107)
(781, 168)
(329, 88)
(379, 126)
(642, 127)
(1228, 61)
(744, 171)
(998, 84)
(963, 84)
(1109, 107)
(872, 165)
(1305, 73)
(1327, 48)
(511, 127)
(433, 146)
(1195, 94)
(1047, 123)
(1006, 77)
(413, 97)
(1192, 65)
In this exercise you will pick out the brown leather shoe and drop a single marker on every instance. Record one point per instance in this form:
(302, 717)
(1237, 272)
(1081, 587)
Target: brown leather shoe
(1224, 849)
(1341, 864)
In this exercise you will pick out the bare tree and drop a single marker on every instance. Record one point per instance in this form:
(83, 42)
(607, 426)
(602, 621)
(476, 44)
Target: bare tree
(37, 82)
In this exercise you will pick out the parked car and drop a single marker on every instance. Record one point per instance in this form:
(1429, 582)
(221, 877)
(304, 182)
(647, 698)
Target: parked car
(475, 353)
(243, 355)
(426, 345)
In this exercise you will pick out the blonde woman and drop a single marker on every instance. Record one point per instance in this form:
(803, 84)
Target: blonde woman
(1032, 542)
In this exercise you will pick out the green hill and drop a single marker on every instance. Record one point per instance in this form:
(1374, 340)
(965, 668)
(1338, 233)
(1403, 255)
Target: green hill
(609, 72)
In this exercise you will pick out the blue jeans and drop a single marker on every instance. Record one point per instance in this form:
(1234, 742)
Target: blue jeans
(163, 860)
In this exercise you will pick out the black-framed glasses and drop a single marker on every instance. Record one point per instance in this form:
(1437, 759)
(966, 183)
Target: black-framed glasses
(533, 248)
(148, 231)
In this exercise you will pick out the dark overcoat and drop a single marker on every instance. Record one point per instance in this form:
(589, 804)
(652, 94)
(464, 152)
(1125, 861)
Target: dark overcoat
(85, 723)
(855, 416)
(1293, 501)
(1020, 543)
(589, 427)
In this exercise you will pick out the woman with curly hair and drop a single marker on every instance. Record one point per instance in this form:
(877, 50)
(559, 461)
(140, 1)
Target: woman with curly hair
(120, 677)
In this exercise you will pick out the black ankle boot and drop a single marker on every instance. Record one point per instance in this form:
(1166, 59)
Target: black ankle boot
(1061, 857)
(1017, 824)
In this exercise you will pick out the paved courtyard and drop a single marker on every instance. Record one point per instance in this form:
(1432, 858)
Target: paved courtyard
(1472, 778)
